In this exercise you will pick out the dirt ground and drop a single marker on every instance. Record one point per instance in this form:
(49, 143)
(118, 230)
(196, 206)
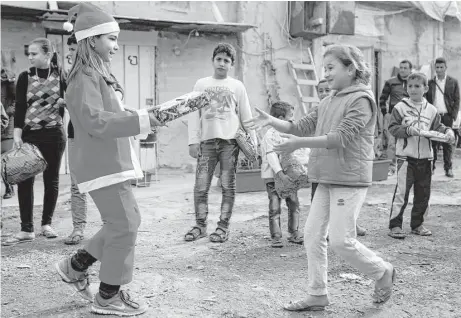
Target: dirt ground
(243, 277)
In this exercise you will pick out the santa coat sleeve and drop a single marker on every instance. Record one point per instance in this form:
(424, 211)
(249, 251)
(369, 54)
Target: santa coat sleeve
(99, 122)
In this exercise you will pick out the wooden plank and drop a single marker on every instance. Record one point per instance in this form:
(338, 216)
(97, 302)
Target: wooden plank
(307, 82)
(131, 62)
(117, 67)
(306, 67)
(310, 99)
(146, 65)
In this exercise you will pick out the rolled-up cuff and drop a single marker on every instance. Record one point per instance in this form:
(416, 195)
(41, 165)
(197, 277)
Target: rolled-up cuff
(144, 122)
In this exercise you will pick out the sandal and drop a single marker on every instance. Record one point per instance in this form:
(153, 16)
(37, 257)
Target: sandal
(194, 234)
(397, 233)
(277, 243)
(296, 240)
(382, 295)
(48, 232)
(219, 236)
(74, 238)
(301, 305)
(422, 231)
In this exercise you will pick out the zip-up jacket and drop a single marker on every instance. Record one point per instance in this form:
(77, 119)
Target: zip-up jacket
(423, 116)
(395, 89)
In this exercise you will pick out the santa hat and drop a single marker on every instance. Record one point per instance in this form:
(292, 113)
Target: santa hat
(90, 21)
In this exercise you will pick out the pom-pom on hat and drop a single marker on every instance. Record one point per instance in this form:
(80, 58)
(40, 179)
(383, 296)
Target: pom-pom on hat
(90, 21)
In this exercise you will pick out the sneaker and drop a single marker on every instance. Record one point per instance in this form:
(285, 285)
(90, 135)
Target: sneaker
(20, 237)
(422, 231)
(77, 280)
(121, 305)
(48, 232)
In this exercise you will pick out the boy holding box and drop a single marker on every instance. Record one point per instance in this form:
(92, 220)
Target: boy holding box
(212, 134)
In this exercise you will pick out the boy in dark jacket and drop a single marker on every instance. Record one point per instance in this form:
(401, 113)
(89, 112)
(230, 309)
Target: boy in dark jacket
(414, 155)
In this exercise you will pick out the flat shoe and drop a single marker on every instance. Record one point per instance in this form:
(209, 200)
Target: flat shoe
(302, 306)
(382, 295)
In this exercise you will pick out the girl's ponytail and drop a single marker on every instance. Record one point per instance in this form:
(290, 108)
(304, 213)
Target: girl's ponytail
(55, 63)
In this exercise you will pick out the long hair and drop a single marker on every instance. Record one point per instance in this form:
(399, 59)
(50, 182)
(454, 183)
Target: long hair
(46, 46)
(349, 54)
(87, 57)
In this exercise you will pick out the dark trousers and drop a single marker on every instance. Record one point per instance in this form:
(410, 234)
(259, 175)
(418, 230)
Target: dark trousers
(314, 187)
(416, 174)
(447, 148)
(211, 152)
(275, 208)
(7, 145)
(52, 151)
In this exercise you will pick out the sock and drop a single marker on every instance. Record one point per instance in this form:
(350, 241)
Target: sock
(108, 291)
(82, 260)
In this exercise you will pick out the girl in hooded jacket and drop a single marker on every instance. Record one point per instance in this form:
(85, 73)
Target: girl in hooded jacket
(342, 135)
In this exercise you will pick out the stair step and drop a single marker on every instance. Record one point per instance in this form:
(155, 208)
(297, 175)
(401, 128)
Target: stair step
(303, 66)
(307, 82)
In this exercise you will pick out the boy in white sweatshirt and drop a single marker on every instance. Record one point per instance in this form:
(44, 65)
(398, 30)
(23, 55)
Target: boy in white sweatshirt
(212, 134)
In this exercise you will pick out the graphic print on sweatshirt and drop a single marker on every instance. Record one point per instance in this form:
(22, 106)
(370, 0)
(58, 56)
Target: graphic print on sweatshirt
(223, 103)
(412, 117)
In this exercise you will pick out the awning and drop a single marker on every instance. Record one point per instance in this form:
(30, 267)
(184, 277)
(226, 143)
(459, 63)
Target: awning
(126, 23)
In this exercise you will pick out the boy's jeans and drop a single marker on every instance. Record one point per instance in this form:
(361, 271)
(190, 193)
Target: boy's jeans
(78, 200)
(275, 208)
(211, 152)
(339, 208)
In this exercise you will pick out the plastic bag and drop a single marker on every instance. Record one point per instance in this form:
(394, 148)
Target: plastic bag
(23, 163)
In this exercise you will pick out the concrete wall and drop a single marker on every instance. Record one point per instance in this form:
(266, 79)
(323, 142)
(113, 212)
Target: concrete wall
(15, 34)
(409, 35)
(177, 76)
(452, 46)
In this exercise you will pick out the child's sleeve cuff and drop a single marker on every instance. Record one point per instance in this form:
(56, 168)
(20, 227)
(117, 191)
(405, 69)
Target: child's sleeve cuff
(144, 122)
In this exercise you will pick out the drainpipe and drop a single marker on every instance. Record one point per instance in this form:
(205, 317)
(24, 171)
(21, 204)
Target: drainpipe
(240, 19)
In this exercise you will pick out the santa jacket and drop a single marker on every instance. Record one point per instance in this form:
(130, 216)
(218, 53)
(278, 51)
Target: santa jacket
(103, 152)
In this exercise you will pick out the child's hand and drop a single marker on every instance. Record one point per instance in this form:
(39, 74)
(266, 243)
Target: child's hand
(451, 135)
(194, 150)
(256, 123)
(290, 144)
(413, 131)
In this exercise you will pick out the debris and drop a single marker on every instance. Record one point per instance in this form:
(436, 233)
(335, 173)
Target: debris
(189, 266)
(150, 296)
(201, 267)
(283, 255)
(23, 266)
(349, 276)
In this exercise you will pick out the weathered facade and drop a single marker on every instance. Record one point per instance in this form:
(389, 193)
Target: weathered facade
(165, 46)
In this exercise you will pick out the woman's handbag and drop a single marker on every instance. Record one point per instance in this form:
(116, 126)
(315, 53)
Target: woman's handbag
(23, 163)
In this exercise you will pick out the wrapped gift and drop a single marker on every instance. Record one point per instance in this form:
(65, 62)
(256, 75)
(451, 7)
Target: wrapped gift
(180, 106)
(435, 136)
(246, 145)
(294, 165)
(23, 163)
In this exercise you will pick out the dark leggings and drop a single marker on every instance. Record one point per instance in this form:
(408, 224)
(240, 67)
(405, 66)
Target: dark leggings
(51, 143)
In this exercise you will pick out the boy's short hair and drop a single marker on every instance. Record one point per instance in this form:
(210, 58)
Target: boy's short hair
(407, 62)
(441, 60)
(418, 76)
(72, 39)
(280, 108)
(323, 80)
(227, 49)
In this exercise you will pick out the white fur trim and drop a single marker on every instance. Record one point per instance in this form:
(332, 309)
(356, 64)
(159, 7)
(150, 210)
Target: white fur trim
(106, 181)
(144, 122)
(68, 26)
(104, 28)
